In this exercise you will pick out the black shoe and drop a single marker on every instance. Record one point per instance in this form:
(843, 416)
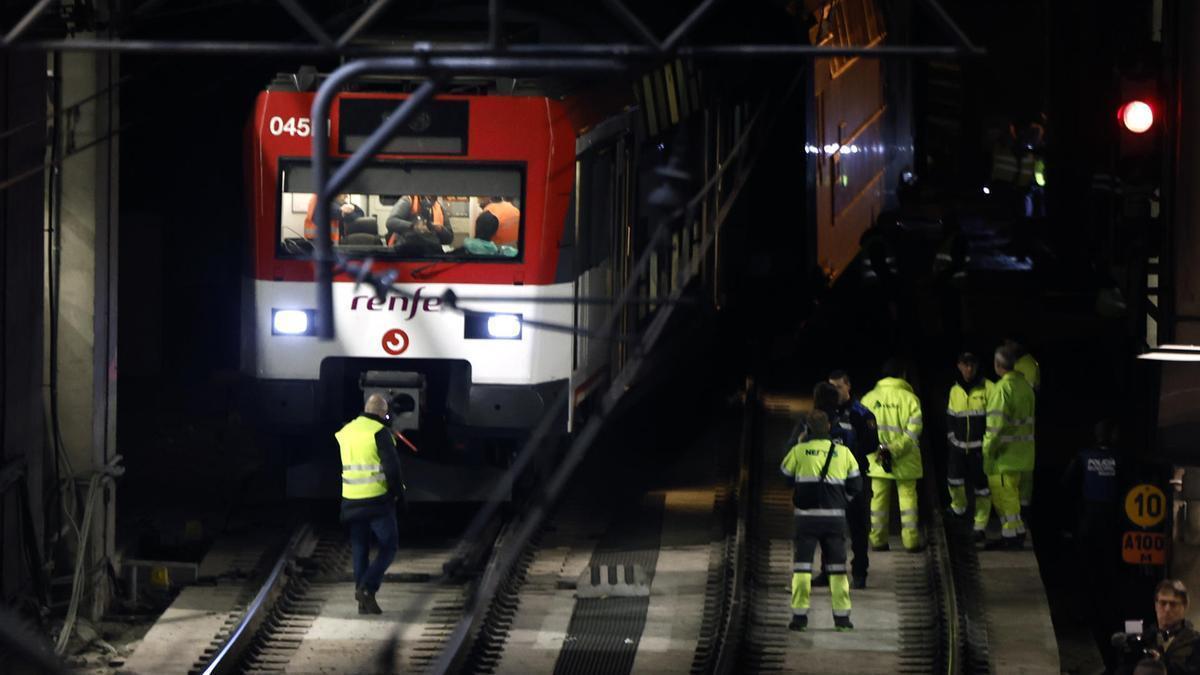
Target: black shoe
(841, 623)
(799, 623)
(821, 580)
(858, 583)
(1014, 544)
(885, 547)
(980, 537)
(369, 603)
(997, 544)
(360, 595)
(919, 548)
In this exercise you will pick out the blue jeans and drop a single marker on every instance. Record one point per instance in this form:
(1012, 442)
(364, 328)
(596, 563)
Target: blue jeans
(368, 574)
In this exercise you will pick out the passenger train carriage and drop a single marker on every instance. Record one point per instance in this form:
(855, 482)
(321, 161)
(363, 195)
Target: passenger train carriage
(563, 177)
(466, 388)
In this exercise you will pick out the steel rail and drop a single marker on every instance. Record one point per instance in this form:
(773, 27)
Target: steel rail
(729, 638)
(942, 568)
(225, 658)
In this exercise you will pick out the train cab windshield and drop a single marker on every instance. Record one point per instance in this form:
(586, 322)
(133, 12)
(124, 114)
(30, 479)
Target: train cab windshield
(409, 211)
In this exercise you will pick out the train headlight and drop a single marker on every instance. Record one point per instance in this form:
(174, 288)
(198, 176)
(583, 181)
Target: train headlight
(293, 322)
(504, 326)
(484, 326)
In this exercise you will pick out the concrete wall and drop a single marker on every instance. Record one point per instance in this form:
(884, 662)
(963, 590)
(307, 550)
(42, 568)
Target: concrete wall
(22, 81)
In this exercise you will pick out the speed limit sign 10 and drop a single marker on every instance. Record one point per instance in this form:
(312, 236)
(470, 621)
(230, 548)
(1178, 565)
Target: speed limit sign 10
(1146, 505)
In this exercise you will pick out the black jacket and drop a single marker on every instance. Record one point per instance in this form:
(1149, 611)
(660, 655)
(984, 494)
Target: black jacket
(1180, 650)
(364, 509)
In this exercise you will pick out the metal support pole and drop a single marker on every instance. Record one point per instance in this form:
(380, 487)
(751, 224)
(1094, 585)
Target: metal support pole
(365, 19)
(308, 23)
(495, 24)
(620, 11)
(687, 25)
(629, 54)
(955, 31)
(25, 22)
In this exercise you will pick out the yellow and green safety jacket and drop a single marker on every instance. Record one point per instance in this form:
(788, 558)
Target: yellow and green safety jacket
(370, 468)
(966, 411)
(828, 497)
(1028, 367)
(1008, 440)
(897, 413)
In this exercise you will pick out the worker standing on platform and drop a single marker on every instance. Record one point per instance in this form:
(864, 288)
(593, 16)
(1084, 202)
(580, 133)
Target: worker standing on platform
(897, 462)
(1027, 367)
(1008, 447)
(825, 479)
(371, 486)
(853, 418)
(966, 411)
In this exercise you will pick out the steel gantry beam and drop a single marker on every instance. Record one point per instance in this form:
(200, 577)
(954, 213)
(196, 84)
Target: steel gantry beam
(322, 44)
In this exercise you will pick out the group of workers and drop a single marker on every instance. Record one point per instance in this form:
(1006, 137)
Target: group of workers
(420, 224)
(990, 446)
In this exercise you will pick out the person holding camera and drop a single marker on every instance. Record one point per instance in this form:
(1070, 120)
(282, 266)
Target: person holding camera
(825, 478)
(1173, 641)
(371, 486)
(1008, 445)
(897, 463)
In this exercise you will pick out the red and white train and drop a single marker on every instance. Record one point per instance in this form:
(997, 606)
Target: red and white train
(469, 388)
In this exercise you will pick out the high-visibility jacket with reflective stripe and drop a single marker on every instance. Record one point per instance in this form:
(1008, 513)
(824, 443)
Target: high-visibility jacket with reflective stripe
(965, 413)
(1008, 440)
(802, 466)
(362, 470)
(897, 413)
(1028, 367)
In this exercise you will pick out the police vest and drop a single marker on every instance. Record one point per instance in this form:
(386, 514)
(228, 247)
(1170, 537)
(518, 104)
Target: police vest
(1099, 467)
(898, 418)
(1008, 440)
(965, 415)
(362, 471)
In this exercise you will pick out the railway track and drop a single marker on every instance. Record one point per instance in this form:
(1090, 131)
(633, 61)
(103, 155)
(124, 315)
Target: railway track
(303, 616)
(921, 613)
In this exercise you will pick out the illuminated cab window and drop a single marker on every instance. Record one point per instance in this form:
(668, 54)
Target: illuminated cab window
(409, 211)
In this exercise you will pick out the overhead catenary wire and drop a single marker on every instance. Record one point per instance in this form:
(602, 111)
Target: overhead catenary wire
(582, 442)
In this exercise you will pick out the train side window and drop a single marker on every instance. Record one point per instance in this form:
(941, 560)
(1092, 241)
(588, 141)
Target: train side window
(597, 177)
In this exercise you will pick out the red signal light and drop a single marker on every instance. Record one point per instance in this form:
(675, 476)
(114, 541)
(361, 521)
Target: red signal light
(1136, 116)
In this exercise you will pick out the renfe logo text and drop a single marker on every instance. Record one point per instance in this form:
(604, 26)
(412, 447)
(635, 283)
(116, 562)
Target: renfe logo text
(397, 303)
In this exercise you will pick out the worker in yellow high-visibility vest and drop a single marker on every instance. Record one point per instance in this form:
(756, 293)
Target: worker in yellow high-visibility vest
(370, 487)
(1008, 447)
(896, 464)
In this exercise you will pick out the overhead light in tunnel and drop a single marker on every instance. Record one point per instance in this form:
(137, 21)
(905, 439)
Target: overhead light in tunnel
(1176, 353)
(987, 190)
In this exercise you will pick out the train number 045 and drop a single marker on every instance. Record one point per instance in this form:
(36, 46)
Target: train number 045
(292, 126)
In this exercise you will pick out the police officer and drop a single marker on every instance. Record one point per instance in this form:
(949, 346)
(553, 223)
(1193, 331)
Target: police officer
(966, 411)
(858, 427)
(1008, 447)
(1093, 475)
(370, 487)
(825, 478)
(897, 462)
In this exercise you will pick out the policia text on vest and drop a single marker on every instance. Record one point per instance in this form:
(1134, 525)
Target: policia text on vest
(825, 477)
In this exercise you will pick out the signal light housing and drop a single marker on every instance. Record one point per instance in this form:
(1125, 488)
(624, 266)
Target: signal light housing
(1136, 116)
